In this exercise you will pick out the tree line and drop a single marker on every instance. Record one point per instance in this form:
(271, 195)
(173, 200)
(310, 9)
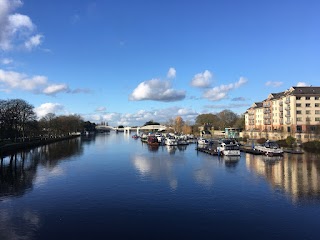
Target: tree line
(18, 122)
(218, 121)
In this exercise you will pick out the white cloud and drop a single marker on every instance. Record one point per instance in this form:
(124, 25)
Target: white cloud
(171, 73)
(15, 80)
(221, 92)
(80, 90)
(55, 88)
(202, 80)
(46, 108)
(274, 84)
(101, 109)
(34, 41)
(302, 84)
(10, 80)
(156, 90)
(19, 22)
(6, 61)
(16, 30)
(142, 116)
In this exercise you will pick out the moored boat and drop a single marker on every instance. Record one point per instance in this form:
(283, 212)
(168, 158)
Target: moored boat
(135, 136)
(153, 141)
(228, 147)
(170, 141)
(203, 141)
(270, 148)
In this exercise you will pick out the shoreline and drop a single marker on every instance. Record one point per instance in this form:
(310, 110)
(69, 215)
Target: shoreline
(12, 148)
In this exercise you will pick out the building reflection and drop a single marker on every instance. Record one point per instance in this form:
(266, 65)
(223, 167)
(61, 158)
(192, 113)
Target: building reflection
(18, 172)
(296, 174)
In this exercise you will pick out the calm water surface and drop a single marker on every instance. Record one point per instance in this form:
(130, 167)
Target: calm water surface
(115, 187)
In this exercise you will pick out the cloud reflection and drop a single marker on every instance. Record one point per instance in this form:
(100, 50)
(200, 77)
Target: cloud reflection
(29, 223)
(45, 174)
(157, 167)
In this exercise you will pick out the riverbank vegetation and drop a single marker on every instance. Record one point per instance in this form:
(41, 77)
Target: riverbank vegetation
(20, 129)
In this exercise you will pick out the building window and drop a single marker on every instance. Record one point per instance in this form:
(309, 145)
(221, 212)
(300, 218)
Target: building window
(299, 112)
(316, 104)
(298, 105)
(307, 98)
(299, 119)
(308, 111)
(317, 111)
(299, 128)
(308, 105)
(298, 98)
(317, 119)
(316, 98)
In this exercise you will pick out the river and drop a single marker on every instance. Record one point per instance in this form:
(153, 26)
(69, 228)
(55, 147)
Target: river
(111, 186)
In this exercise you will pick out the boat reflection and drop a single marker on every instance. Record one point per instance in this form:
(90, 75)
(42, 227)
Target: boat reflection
(231, 161)
(298, 175)
(171, 149)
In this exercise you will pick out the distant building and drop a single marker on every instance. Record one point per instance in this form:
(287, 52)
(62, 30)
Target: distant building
(294, 112)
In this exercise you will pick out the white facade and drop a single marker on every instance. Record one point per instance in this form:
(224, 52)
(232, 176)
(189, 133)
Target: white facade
(293, 112)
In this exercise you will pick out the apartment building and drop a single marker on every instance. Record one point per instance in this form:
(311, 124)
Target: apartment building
(294, 112)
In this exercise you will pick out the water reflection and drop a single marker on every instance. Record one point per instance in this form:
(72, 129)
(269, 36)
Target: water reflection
(204, 173)
(19, 172)
(298, 175)
(158, 167)
(231, 161)
(29, 224)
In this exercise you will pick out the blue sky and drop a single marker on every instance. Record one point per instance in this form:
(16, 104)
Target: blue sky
(128, 62)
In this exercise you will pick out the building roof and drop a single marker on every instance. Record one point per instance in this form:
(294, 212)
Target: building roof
(303, 91)
(276, 95)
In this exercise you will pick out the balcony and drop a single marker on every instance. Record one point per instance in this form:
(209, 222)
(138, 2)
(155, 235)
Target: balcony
(267, 122)
(267, 110)
(280, 103)
(281, 109)
(287, 108)
(267, 116)
(287, 100)
(266, 105)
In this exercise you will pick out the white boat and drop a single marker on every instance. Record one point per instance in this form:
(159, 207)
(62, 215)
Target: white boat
(182, 140)
(270, 148)
(203, 141)
(170, 141)
(160, 138)
(228, 147)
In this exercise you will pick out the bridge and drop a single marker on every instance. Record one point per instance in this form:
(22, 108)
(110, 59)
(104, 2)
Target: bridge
(153, 128)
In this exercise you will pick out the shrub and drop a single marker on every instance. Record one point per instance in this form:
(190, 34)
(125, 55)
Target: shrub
(290, 141)
(312, 146)
(261, 140)
(282, 143)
